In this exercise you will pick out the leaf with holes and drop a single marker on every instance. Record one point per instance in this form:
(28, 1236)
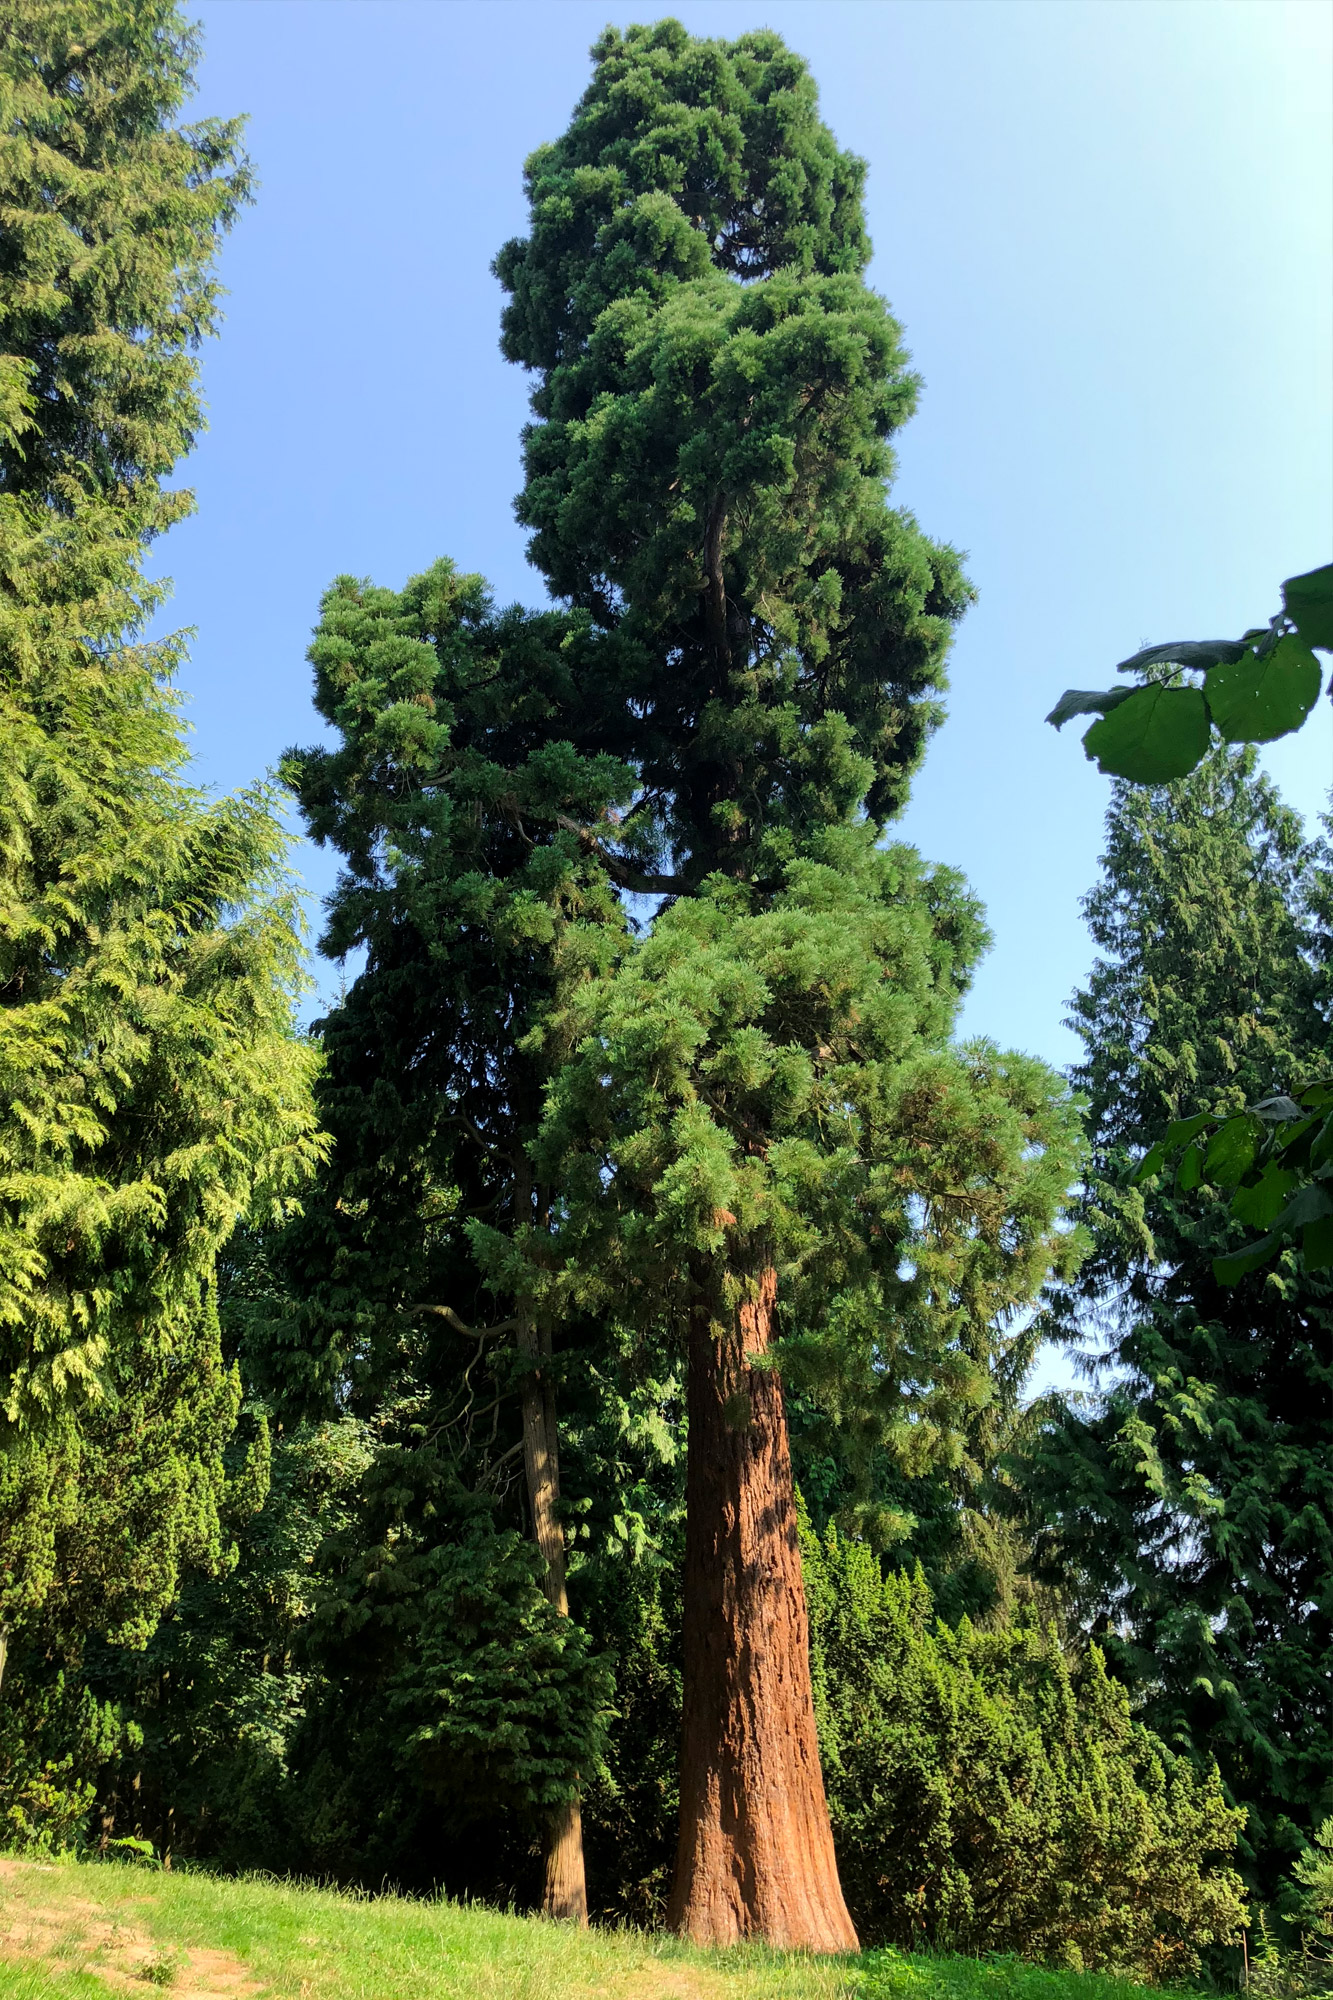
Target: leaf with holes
(1254, 700)
(1159, 733)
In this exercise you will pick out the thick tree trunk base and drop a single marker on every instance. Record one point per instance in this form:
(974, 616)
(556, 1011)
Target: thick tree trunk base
(755, 1858)
(566, 1891)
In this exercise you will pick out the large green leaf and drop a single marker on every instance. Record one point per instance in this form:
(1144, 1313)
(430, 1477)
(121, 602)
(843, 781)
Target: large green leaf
(1317, 1244)
(1086, 701)
(1230, 1270)
(1159, 733)
(1176, 1135)
(1254, 700)
(1260, 1204)
(1182, 1130)
(1183, 653)
(1308, 602)
(1321, 1147)
(1309, 1204)
(1277, 1109)
(1232, 1149)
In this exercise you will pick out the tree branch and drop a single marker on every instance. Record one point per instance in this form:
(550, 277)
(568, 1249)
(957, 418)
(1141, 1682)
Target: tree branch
(474, 1131)
(715, 609)
(618, 868)
(461, 1325)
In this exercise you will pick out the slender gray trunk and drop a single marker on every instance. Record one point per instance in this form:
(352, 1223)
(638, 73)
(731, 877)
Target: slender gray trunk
(566, 1893)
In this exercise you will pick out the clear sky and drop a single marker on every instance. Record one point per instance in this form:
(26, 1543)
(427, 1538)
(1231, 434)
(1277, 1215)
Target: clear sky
(1107, 226)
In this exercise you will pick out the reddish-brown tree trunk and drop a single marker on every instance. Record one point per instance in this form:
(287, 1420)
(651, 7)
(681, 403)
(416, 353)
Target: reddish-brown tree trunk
(566, 1892)
(755, 1858)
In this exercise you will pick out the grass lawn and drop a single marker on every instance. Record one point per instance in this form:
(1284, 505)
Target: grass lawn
(70, 1930)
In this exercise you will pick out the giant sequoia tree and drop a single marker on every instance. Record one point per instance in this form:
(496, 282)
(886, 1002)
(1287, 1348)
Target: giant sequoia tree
(1190, 1504)
(706, 477)
(152, 1088)
(765, 1147)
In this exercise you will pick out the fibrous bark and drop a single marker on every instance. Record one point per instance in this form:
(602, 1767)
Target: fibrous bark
(755, 1858)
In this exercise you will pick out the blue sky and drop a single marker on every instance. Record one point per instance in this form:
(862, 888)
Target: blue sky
(1107, 226)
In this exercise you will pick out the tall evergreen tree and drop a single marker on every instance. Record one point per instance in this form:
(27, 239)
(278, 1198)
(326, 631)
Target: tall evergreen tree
(466, 768)
(716, 387)
(1189, 1504)
(153, 1089)
(113, 213)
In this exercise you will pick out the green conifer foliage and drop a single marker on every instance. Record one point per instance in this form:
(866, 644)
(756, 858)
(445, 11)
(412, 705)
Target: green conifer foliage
(112, 213)
(153, 1090)
(767, 1154)
(768, 1080)
(716, 389)
(1190, 1503)
(455, 799)
(147, 952)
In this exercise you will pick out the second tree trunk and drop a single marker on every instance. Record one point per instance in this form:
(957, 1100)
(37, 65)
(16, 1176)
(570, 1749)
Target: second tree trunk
(566, 1891)
(755, 1858)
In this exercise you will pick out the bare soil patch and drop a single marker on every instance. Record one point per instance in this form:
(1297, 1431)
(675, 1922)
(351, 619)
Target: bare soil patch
(69, 1929)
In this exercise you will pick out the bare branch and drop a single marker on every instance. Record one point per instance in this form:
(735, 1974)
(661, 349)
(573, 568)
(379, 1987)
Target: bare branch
(474, 1131)
(461, 1325)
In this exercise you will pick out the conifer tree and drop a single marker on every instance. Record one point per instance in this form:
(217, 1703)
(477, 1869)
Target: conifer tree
(992, 1790)
(153, 1089)
(1189, 1504)
(113, 213)
(467, 764)
(716, 387)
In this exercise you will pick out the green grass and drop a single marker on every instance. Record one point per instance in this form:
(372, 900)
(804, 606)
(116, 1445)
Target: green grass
(891, 1975)
(21, 1982)
(73, 1930)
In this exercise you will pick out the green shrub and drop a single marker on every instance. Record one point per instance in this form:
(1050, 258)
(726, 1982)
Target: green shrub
(986, 1798)
(55, 1738)
(1314, 1889)
(1302, 1970)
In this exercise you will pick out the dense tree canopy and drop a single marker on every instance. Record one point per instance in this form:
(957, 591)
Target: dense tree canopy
(988, 1794)
(112, 216)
